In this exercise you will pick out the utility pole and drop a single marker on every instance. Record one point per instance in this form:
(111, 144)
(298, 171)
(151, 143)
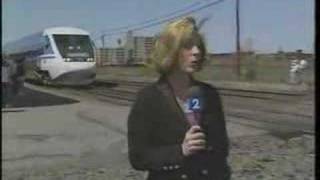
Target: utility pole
(238, 39)
(102, 40)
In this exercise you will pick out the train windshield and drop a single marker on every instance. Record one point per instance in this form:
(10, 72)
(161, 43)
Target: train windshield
(74, 46)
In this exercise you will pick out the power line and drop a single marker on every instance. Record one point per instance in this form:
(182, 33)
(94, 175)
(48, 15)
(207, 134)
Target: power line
(168, 19)
(153, 19)
(171, 18)
(181, 15)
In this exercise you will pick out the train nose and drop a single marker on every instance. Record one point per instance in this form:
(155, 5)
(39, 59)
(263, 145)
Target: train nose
(81, 77)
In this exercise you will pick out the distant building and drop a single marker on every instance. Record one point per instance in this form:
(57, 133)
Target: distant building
(136, 50)
(139, 48)
(298, 54)
(143, 48)
(111, 56)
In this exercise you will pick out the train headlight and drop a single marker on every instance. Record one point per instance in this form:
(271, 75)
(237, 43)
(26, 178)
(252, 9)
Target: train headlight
(67, 59)
(90, 59)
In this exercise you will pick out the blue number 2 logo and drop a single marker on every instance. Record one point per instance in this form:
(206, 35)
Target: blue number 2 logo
(194, 104)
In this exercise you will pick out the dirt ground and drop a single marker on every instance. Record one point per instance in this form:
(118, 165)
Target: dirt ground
(83, 139)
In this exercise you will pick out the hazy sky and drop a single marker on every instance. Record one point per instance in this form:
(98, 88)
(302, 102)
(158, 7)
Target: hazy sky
(266, 25)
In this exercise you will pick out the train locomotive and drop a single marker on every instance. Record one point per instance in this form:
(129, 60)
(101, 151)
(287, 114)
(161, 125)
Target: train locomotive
(59, 55)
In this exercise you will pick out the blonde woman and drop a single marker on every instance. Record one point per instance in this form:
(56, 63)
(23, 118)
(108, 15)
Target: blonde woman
(165, 136)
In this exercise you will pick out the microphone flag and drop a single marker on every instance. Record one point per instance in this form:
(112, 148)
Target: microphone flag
(193, 106)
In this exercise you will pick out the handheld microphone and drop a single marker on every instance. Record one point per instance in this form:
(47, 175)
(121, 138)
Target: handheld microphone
(194, 105)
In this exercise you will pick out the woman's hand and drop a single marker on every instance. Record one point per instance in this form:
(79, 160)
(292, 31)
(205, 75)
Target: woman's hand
(194, 141)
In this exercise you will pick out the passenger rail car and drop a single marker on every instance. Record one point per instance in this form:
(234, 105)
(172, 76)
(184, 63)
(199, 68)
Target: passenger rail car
(60, 55)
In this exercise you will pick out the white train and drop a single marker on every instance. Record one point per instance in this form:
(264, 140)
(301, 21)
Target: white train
(60, 55)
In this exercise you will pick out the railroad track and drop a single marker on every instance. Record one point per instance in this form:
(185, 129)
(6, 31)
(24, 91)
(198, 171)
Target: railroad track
(284, 96)
(274, 120)
(259, 109)
(264, 117)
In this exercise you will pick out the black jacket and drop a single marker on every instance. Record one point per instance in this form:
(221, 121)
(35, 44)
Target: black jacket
(156, 129)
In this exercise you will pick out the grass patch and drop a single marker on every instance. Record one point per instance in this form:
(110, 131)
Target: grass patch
(253, 69)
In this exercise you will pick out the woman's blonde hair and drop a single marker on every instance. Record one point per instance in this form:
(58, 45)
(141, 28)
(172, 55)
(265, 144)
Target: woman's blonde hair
(177, 35)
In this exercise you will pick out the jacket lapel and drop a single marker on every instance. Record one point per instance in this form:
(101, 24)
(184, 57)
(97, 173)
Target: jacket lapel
(170, 98)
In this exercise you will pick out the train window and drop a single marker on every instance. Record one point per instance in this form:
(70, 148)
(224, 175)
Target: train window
(74, 46)
(47, 46)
